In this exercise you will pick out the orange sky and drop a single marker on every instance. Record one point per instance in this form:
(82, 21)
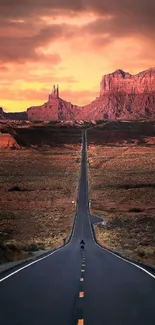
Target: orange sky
(70, 43)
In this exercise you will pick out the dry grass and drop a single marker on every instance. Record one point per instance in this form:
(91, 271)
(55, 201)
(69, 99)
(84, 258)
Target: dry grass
(122, 190)
(40, 213)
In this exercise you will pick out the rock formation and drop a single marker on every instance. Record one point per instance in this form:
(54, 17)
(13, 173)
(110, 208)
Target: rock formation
(7, 141)
(122, 96)
(123, 82)
(1, 113)
(54, 109)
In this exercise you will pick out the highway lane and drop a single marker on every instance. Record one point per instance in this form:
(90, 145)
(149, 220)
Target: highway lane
(112, 290)
(116, 292)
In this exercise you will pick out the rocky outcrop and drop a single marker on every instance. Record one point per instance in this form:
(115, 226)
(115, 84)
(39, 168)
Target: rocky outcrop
(123, 82)
(120, 106)
(7, 141)
(124, 96)
(1, 114)
(54, 109)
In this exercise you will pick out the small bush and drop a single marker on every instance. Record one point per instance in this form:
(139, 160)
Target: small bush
(33, 247)
(135, 210)
(14, 188)
(117, 222)
(12, 247)
(141, 252)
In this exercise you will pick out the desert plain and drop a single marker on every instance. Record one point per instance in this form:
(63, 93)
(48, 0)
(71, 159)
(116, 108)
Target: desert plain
(122, 187)
(39, 173)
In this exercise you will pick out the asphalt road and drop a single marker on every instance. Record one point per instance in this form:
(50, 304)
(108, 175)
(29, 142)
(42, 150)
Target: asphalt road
(96, 287)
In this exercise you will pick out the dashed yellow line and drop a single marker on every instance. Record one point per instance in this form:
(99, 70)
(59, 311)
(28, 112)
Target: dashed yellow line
(81, 322)
(81, 294)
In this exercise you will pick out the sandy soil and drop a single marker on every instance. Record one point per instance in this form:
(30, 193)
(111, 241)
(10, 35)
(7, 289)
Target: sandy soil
(37, 188)
(122, 190)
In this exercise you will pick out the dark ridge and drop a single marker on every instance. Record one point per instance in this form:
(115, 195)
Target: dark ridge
(18, 189)
(126, 186)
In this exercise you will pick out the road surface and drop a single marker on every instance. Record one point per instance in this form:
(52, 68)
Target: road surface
(67, 288)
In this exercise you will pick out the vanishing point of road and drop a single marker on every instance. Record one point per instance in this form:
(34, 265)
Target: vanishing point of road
(69, 287)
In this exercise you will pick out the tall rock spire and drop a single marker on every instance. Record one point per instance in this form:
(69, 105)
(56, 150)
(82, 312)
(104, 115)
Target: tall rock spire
(54, 90)
(57, 91)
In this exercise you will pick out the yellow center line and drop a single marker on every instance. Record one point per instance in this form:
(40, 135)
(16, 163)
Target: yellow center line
(82, 270)
(81, 279)
(81, 294)
(80, 322)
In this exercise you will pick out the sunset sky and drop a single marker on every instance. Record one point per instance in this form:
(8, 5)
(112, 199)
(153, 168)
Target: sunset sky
(71, 43)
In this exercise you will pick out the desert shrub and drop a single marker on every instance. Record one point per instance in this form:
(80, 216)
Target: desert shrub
(140, 252)
(52, 122)
(37, 121)
(12, 247)
(14, 188)
(32, 247)
(135, 210)
(117, 222)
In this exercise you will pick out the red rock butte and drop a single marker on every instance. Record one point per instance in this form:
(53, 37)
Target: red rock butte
(54, 109)
(122, 96)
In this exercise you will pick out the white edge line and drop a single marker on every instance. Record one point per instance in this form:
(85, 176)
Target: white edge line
(121, 258)
(58, 249)
(27, 265)
(38, 260)
(108, 251)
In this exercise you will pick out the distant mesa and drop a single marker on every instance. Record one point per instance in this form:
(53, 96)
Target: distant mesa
(122, 96)
(54, 109)
(18, 116)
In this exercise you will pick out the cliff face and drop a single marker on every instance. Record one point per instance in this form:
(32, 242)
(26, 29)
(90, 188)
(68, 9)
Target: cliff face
(124, 96)
(47, 111)
(120, 106)
(123, 82)
(55, 109)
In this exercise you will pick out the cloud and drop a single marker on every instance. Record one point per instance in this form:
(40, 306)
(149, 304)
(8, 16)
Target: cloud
(79, 97)
(88, 37)
(18, 8)
(23, 30)
(22, 95)
(21, 48)
(20, 44)
(25, 18)
(4, 68)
